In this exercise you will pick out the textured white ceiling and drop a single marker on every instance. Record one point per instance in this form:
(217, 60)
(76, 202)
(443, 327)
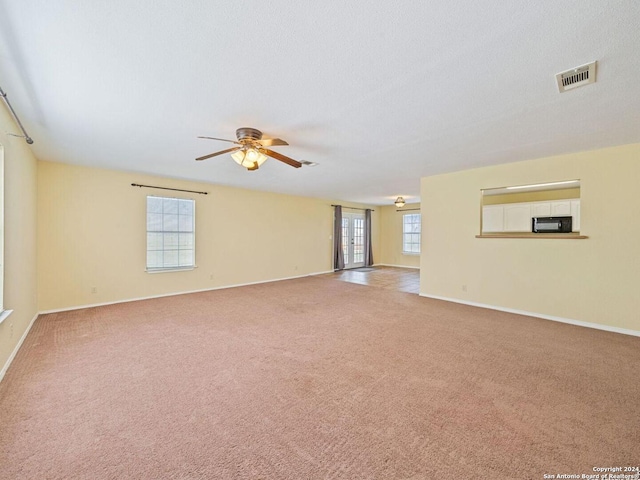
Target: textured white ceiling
(378, 93)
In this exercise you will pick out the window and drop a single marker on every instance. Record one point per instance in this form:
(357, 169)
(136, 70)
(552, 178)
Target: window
(411, 229)
(3, 313)
(1, 233)
(170, 233)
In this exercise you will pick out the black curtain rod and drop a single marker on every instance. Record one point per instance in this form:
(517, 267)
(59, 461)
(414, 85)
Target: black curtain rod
(353, 208)
(167, 188)
(24, 135)
(408, 210)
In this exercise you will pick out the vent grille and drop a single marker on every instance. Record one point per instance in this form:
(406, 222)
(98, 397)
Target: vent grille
(576, 77)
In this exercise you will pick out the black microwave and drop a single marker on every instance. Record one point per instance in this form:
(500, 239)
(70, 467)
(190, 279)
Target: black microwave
(551, 224)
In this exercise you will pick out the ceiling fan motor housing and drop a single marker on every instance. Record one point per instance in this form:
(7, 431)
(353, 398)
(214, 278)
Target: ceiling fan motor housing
(248, 135)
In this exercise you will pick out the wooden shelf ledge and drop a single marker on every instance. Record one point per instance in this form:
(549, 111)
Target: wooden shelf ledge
(557, 236)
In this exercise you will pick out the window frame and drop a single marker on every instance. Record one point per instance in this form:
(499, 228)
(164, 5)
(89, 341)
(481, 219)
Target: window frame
(411, 232)
(177, 231)
(4, 313)
(2, 189)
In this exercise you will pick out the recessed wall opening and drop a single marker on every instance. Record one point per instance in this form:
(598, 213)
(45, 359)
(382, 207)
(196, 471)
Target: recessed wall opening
(512, 209)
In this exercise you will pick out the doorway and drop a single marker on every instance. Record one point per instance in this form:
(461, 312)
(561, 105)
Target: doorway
(353, 239)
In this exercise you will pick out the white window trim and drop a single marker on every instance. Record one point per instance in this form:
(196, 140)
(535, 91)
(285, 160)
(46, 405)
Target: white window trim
(175, 269)
(4, 315)
(404, 252)
(165, 270)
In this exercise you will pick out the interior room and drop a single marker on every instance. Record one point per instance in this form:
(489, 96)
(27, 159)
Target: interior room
(334, 240)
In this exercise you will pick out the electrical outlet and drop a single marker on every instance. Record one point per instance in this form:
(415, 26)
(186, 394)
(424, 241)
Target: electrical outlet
(94, 289)
(211, 277)
(464, 288)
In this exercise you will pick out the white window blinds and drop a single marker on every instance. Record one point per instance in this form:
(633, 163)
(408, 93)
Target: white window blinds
(170, 233)
(411, 231)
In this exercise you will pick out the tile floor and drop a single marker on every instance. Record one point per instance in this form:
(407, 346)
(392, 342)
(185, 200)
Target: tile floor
(392, 278)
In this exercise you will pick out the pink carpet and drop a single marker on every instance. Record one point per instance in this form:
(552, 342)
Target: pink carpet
(315, 379)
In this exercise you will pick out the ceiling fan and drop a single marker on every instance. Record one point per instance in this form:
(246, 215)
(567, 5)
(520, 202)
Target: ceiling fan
(251, 151)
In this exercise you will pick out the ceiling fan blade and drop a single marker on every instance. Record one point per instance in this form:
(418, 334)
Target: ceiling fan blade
(270, 142)
(221, 139)
(230, 150)
(282, 158)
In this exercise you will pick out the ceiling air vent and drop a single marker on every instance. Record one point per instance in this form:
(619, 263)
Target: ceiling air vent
(576, 77)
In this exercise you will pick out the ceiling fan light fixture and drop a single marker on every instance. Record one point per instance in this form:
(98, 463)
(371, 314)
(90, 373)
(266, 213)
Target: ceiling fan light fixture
(399, 202)
(251, 149)
(249, 158)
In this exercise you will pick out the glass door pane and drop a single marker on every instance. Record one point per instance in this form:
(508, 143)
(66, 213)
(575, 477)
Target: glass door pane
(346, 239)
(358, 240)
(353, 239)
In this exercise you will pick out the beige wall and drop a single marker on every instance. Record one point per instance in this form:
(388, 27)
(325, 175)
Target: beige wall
(92, 233)
(391, 237)
(594, 280)
(20, 177)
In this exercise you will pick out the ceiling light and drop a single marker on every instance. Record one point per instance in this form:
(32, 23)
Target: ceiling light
(249, 158)
(399, 202)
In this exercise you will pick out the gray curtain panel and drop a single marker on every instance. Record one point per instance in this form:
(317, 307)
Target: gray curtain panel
(338, 254)
(368, 251)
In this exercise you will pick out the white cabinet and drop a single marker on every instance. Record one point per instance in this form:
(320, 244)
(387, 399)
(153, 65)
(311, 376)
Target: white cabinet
(560, 208)
(575, 213)
(493, 219)
(541, 209)
(517, 217)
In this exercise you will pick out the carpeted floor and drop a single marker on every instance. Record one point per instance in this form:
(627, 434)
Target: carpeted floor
(315, 379)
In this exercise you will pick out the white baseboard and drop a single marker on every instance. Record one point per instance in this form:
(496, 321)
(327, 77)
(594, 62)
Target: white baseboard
(80, 307)
(553, 318)
(397, 266)
(15, 350)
